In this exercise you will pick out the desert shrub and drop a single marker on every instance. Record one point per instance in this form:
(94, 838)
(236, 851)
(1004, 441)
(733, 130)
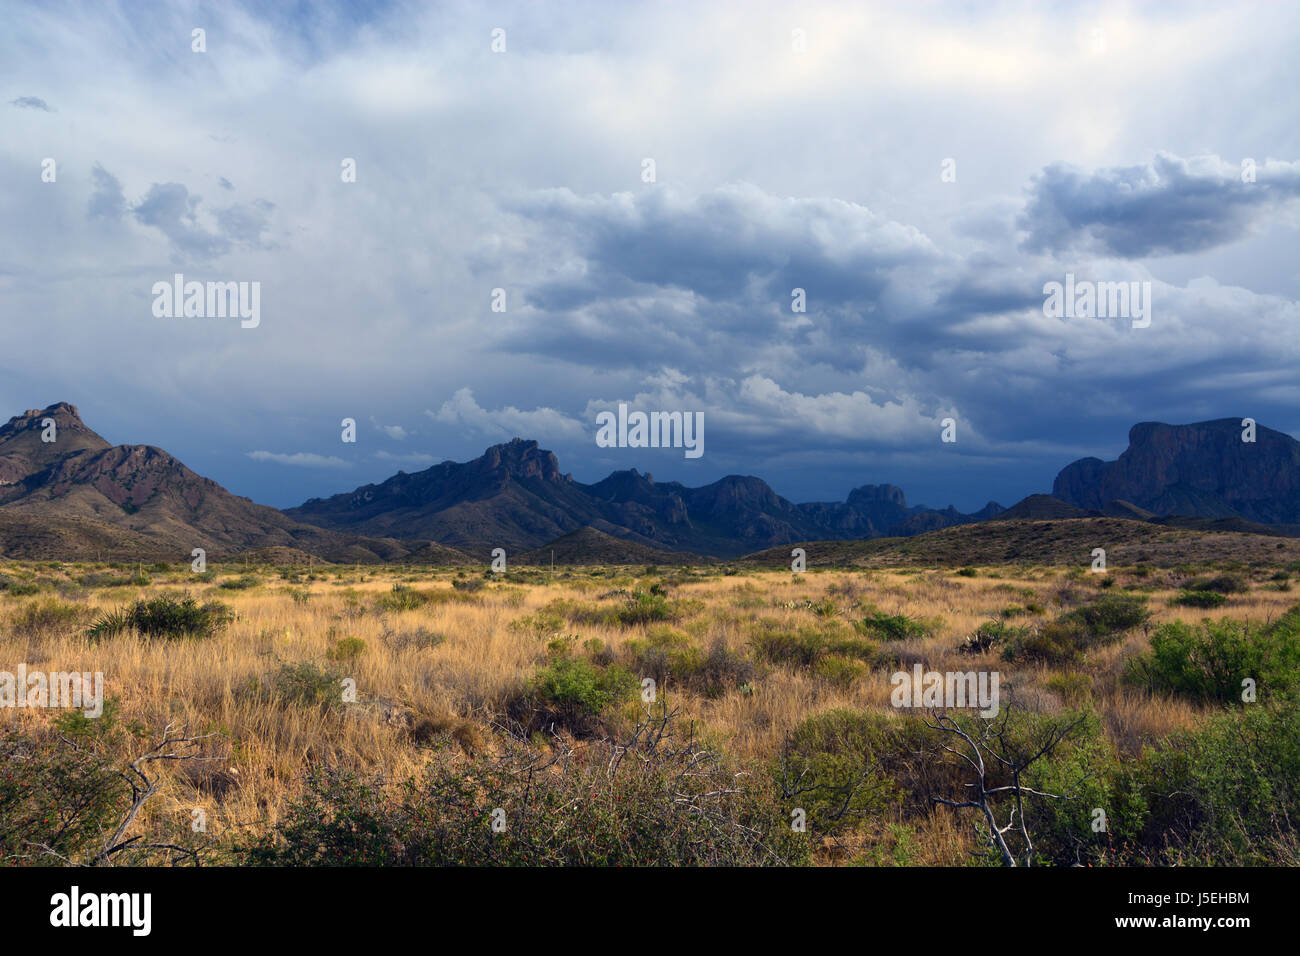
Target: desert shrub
(988, 635)
(845, 764)
(659, 802)
(723, 668)
(805, 647)
(1071, 686)
(840, 671)
(667, 655)
(75, 725)
(892, 627)
(306, 684)
(1086, 772)
(1209, 661)
(242, 583)
(165, 617)
(1220, 584)
(53, 795)
(468, 584)
(645, 607)
(1201, 599)
(664, 653)
(573, 693)
(1060, 642)
(347, 649)
(835, 767)
(403, 597)
(967, 572)
(23, 588)
(47, 617)
(1228, 793)
(1067, 639)
(542, 623)
(1111, 616)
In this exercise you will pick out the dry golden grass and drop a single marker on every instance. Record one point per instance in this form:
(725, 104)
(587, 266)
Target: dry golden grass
(452, 665)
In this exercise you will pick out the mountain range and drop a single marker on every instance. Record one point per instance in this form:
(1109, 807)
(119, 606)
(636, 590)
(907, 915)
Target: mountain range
(515, 497)
(78, 496)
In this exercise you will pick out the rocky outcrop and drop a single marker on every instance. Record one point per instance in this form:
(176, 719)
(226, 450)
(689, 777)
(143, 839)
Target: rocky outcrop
(1203, 470)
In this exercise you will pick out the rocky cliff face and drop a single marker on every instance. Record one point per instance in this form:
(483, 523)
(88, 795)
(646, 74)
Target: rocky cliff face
(1204, 469)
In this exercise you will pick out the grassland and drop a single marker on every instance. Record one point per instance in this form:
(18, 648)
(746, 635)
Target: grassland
(784, 677)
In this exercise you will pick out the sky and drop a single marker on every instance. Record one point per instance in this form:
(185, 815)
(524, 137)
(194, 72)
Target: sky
(920, 170)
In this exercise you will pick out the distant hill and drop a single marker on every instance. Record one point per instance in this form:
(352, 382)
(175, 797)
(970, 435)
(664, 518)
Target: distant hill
(79, 497)
(1067, 541)
(1204, 470)
(1041, 508)
(589, 546)
(515, 497)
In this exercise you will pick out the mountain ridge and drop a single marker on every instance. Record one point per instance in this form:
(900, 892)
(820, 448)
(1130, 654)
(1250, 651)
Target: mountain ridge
(514, 496)
(64, 489)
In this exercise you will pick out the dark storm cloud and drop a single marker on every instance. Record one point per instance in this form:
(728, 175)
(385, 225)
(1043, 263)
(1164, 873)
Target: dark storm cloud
(722, 243)
(1170, 205)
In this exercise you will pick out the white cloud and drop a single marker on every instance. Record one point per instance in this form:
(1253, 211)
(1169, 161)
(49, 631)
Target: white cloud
(462, 410)
(300, 459)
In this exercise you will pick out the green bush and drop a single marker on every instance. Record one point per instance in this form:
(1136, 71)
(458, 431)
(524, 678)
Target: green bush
(1226, 794)
(1201, 599)
(835, 766)
(1067, 639)
(892, 627)
(1220, 584)
(573, 693)
(165, 617)
(242, 583)
(805, 648)
(645, 607)
(56, 796)
(990, 634)
(1209, 661)
(1111, 616)
(1086, 771)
